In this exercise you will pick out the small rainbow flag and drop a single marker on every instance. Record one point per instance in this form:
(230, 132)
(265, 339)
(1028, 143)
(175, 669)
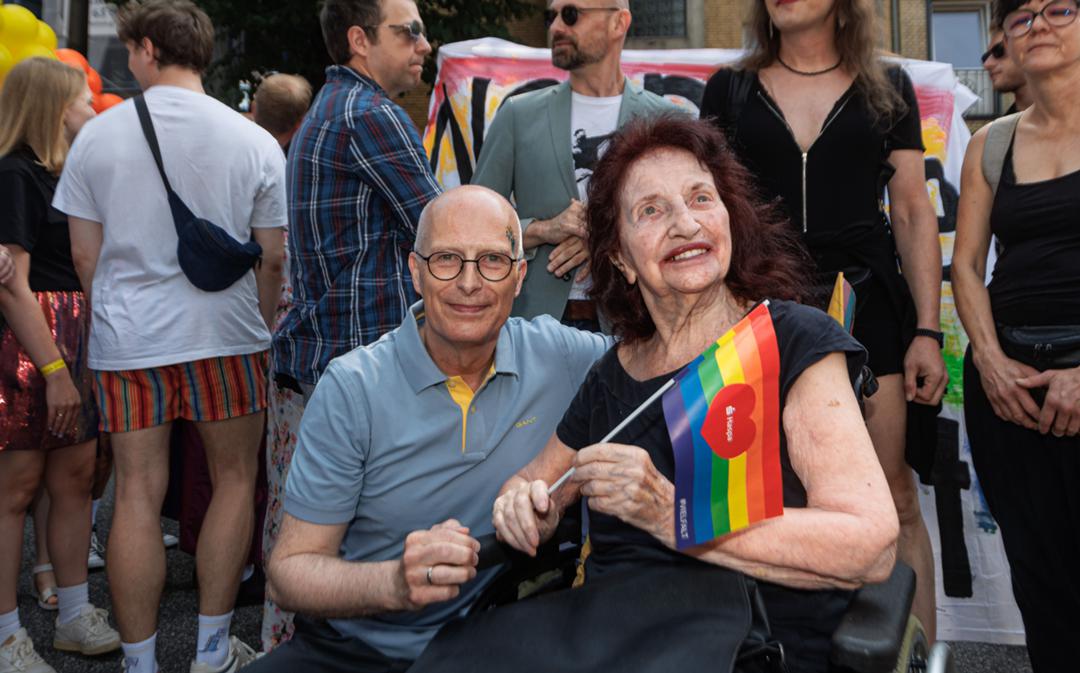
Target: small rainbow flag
(723, 417)
(842, 303)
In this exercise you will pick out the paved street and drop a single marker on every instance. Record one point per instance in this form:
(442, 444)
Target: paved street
(176, 638)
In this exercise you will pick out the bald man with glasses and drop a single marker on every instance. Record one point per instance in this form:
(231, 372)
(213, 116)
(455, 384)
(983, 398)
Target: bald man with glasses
(405, 444)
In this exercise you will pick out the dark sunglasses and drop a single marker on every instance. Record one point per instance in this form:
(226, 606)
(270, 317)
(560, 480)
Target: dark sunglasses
(570, 13)
(414, 30)
(997, 51)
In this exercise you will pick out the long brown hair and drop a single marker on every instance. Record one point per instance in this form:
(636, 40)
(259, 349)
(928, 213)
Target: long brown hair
(856, 40)
(36, 93)
(767, 260)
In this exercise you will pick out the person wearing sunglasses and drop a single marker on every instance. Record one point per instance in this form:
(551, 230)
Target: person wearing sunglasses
(1005, 75)
(542, 145)
(1021, 184)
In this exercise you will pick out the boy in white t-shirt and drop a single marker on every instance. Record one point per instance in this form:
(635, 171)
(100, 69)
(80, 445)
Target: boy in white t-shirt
(161, 348)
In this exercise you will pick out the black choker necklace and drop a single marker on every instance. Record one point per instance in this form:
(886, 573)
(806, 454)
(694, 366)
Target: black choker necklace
(813, 73)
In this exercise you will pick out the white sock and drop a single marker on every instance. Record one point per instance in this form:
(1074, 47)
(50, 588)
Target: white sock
(140, 656)
(71, 600)
(9, 624)
(213, 643)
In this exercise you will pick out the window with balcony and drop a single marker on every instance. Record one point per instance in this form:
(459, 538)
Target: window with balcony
(666, 24)
(960, 32)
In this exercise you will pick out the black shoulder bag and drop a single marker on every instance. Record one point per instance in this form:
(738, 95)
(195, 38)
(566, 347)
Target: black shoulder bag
(209, 256)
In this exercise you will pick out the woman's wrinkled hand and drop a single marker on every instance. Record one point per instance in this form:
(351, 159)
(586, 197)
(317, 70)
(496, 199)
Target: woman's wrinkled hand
(63, 402)
(621, 481)
(525, 516)
(1010, 401)
(1060, 414)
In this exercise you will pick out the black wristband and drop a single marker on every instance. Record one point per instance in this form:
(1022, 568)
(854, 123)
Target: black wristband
(939, 337)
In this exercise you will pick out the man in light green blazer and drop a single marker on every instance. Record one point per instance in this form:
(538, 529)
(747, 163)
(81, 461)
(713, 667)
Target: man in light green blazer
(541, 146)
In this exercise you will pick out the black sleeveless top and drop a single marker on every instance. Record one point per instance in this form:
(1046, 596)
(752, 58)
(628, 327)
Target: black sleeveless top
(1036, 278)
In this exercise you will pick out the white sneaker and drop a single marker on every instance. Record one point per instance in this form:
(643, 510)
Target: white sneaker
(87, 634)
(17, 655)
(240, 655)
(169, 541)
(96, 559)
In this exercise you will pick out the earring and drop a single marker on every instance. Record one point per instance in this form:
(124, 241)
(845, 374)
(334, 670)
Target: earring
(770, 30)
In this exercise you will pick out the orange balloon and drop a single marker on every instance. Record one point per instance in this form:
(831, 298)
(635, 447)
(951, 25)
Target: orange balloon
(93, 79)
(73, 58)
(106, 101)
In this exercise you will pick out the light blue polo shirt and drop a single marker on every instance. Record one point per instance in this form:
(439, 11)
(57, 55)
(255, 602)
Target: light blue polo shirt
(389, 444)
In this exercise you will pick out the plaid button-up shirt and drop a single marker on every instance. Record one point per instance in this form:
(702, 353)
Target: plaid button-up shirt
(358, 179)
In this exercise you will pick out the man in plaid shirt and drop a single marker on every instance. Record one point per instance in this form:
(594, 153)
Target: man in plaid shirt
(358, 179)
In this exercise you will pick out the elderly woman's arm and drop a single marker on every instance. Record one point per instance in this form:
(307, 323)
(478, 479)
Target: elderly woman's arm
(844, 537)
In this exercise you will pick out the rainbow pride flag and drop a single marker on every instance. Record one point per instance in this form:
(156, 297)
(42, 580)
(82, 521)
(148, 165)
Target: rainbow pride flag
(842, 303)
(723, 417)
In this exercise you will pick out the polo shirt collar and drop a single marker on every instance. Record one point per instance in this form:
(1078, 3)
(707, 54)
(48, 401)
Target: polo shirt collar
(421, 371)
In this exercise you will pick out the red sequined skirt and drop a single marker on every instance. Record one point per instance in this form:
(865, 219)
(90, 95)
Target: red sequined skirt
(23, 410)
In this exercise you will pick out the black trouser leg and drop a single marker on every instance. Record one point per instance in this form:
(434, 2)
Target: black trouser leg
(1032, 485)
(317, 648)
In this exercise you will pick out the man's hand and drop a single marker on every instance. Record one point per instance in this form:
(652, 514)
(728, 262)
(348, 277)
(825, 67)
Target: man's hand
(923, 362)
(567, 256)
(570, 222)
(435, 564)
(525, 516)
(1060, 413)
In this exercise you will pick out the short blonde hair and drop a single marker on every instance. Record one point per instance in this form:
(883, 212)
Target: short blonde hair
(36, 93)
(281, 102)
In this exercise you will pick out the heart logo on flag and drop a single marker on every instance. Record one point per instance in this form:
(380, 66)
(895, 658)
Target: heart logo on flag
(728, 428)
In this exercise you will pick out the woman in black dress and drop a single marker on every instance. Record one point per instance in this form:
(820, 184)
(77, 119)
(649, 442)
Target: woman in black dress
(1022, 368)
(824, 126)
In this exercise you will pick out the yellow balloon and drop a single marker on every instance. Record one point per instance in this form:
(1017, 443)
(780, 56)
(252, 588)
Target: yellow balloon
(46, 36)
(20, 25)
(31, 51)
(6, 61)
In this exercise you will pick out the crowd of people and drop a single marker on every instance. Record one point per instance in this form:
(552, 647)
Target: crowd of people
(421, 365)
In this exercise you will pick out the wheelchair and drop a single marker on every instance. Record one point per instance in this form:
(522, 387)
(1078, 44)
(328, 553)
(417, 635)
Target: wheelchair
(877, 634)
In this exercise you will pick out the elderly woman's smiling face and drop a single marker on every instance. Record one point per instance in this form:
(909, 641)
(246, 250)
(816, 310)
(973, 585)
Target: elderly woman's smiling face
(674, 230)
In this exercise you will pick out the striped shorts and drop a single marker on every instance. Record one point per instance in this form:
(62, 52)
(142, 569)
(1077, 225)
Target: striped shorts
(214, 389)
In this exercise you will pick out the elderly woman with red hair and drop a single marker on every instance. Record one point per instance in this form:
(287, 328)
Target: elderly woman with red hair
(680, 251)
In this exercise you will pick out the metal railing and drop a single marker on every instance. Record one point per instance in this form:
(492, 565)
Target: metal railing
(978, 80)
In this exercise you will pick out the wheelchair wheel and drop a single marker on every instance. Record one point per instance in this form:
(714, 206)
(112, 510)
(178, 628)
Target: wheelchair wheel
(914, 652)
(941, 659)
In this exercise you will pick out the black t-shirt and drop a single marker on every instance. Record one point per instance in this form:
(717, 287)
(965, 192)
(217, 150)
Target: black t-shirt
(1037, 276)
(846, 166)
(609, 394)
(27, 219)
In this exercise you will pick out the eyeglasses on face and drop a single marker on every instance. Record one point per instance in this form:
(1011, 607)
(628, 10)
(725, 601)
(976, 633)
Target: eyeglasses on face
(493, 266)
(414, 29)
(571, 13)
(1058, 13)
(997, 51)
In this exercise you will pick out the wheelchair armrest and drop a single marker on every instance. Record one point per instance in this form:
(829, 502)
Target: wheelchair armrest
(872, 631)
